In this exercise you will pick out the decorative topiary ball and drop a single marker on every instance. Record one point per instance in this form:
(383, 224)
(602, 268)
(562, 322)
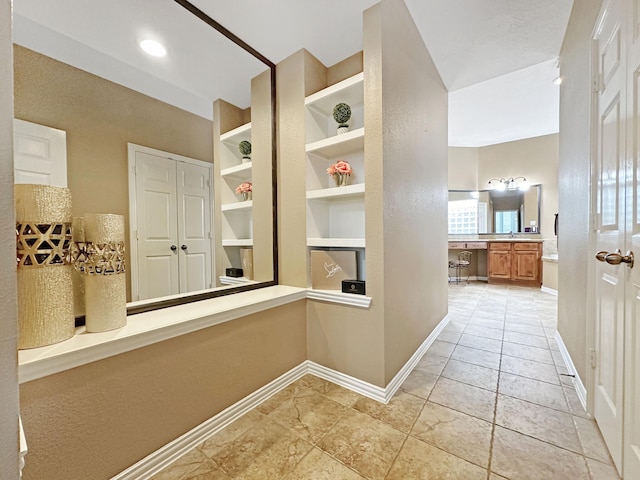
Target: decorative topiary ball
(245, 147)
(342, 113)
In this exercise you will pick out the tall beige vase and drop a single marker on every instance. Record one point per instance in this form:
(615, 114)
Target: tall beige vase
(104, 268)
(44, 273)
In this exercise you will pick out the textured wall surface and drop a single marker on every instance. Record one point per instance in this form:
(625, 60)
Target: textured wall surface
(94, 421)
(574, 252)
(8, 324)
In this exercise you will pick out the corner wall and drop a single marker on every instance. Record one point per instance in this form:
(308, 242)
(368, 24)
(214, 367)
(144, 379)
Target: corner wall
(8, 325)
(574, 253)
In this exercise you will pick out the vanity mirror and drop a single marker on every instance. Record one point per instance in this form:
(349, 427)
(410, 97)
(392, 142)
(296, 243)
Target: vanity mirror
(494, 211)
(143, 141)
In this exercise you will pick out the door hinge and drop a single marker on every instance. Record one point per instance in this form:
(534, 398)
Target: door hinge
(593, 358)
(210, 237)
(597, 83)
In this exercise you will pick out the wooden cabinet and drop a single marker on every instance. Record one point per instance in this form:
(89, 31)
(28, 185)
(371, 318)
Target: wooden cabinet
(515, 262)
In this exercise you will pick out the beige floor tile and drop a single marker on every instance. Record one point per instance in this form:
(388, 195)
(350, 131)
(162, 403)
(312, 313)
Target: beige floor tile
(207, 471)
(600, 471)
(363, 444)
(522, 320)
(228, 434)
(528, 329)
(593, 445)
(419, 383)
(542, 355)
(401, 411)
(431, 363)
(494, 476)
(269, 450)
(546, 424)
(464, 398)
(534, 391)
(331, 390)
(486, 322)
(317, 465)
(494, 333)
(481, 343)
(283, 395)
(449, 337)
(455, 432)
(575, 406)
(519, 457)
(309, 414)
(526, 339)
(455, 327)
(529, 368)
(471, 374)
(419, 460)
(183, 466)
(442, 349)
(477, 357)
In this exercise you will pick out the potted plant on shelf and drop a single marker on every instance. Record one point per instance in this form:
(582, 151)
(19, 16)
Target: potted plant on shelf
(246, 190)
(245, 149)
(342, 114)
(340, 171)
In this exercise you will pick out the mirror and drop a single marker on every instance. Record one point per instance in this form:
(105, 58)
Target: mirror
(78, 68)
(477, 212)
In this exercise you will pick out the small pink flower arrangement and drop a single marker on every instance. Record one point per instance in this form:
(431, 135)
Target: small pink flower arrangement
(244, 187)
(340, 167)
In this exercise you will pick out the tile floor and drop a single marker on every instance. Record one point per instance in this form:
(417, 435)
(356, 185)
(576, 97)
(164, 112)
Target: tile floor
(490, 400)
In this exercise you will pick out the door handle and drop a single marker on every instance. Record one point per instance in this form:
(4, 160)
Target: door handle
(183, 247)
(173, 248)
(617, 258)
(601, 255)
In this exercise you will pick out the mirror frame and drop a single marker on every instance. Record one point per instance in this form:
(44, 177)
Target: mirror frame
(196, 297)
(538, 208)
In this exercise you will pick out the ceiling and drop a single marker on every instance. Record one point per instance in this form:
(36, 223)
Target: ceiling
(496, 57)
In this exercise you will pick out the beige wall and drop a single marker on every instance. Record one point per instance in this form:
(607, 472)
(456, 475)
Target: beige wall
(8, 324)
(412, 208)
(100, 117)
(94, 421)
(534, 158)
(574, 253)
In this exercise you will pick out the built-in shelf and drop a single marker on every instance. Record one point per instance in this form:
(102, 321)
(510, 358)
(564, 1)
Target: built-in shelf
(237, 206)
(349, 91)
(336, 242)
(344, 144)
(336, 296)
(243, 132)
(336, 192)
(242, 171)
(237, 242)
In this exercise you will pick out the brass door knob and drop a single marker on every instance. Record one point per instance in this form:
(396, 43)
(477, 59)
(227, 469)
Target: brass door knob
(617, 258)
(601, 255)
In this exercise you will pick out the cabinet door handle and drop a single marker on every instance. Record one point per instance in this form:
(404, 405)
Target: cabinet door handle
(173, 248)
(183, 247)
(617, 258)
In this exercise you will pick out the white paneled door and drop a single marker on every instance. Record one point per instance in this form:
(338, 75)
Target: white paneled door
(39, 154)
(170, 224)
(617, 232)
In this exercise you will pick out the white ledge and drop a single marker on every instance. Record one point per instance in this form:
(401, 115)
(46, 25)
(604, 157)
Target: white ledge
(148, 328)
(336, 296)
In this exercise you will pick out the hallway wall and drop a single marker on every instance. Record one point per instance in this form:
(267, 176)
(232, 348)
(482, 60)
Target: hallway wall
(574, 254)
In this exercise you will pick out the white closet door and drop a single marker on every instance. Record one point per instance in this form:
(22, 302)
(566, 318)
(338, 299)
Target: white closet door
(194, 226)
(157, 221)
(40, 154)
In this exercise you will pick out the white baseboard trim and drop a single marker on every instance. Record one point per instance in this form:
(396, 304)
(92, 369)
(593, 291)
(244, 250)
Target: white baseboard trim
(549, 290)
(577, 382)
(169, 453)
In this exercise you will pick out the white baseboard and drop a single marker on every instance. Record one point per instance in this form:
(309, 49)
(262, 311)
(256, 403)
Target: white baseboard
(549, 290)
(169, 453)
(577, 382)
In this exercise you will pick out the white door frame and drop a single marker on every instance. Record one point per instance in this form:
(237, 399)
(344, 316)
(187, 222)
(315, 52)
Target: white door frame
(132, 148)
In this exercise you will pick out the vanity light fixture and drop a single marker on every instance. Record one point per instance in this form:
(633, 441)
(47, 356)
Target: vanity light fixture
(512, 183)
(152, 47)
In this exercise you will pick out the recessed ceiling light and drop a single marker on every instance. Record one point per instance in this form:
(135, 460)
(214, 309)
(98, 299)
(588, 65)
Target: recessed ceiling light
(152, 47)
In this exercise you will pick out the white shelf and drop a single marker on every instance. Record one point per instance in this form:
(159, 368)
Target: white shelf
(242, 171)
(336, 296)
(336, 242)
(237, 206)
(344, 144)
(356, 190)
(237, 242)
(243, 132)
(349, 91)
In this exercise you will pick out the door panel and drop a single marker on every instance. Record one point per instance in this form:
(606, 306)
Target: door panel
(40, 154)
